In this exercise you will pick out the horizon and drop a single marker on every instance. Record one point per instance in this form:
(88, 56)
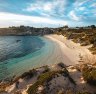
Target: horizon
(50, 27)
(47, 13)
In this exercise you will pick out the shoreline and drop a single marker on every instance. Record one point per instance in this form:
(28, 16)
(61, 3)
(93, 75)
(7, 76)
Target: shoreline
(71, 50)
(70, 56)
(64, 50)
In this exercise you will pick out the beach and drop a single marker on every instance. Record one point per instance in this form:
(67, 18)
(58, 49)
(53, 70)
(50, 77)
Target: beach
(69, 51)
(55, 49)
(65, 51)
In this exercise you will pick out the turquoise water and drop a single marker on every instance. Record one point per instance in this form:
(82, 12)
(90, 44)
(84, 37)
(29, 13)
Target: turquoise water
(22, 53)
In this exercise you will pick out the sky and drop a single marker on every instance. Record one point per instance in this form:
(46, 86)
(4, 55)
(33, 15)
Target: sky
(47, 13)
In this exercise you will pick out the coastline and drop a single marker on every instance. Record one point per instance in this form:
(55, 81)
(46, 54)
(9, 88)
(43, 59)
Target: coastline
(66, 52)
(58, 49)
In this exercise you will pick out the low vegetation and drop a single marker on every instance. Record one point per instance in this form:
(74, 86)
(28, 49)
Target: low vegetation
(83, 93)
(62, 65)
(83, 35)
(89, 74)
(46, 77)
(41, 80)
(47, 69)
(29, 74)
(3, 86)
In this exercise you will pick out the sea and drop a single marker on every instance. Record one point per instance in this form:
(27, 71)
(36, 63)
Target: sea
(19, 54)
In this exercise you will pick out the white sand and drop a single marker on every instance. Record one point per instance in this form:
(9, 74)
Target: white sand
(68, 50)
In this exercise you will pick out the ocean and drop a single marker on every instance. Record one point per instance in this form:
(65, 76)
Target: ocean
(19, 54)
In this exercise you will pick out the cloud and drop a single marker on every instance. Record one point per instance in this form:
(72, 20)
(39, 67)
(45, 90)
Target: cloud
(53, 8)
(39, 5)
(47, 7)
(47, 12)
(80, 2)
(17, 19)
(82, 8)
(73, 16)
(93, 5)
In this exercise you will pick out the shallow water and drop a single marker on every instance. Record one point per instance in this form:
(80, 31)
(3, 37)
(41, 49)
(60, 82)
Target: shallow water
(22, 53)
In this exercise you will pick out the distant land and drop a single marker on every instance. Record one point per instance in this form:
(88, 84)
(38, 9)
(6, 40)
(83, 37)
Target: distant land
(25, 30)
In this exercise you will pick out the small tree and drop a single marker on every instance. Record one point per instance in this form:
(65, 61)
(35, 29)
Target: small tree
(92, 26)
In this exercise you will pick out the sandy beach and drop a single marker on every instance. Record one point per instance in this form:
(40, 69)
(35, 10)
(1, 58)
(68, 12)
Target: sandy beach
(56, 49)
(69, 51)
(65, 51)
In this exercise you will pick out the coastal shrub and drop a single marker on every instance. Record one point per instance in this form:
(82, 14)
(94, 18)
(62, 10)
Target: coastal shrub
(29, 74)
(62, 65)
(69, 92)
(64, 72)
(3, 87)
(46, 69)
(45, 77)
(81, 35)
(93, 49)
(41, 80)
(89, 74)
